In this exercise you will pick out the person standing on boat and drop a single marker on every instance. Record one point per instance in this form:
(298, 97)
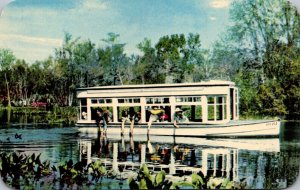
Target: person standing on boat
(128, 117)
(107, 116)
(179, 117)
(100, 119)
(155, 113)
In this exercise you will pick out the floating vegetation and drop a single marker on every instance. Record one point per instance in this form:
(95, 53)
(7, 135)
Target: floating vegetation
(145, 180)
(22, 171)
(29, 172)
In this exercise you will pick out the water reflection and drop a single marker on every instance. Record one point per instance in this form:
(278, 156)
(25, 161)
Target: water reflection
(266, 163)
(259, 168)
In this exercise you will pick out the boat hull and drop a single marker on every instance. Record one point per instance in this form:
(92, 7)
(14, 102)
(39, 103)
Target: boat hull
(265, 128)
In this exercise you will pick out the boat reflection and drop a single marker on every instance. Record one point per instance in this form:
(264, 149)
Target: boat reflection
(251, 144)
(179, 156)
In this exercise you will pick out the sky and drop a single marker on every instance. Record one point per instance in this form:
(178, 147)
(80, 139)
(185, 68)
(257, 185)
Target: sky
(32, 29)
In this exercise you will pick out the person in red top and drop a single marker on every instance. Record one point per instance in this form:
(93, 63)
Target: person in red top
(164, 116)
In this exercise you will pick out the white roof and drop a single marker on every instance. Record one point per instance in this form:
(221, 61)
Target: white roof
(202, 83)
(153, 90)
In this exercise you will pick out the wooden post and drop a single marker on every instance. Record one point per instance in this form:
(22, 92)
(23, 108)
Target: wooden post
(88, 109)
(115, 110)
(173, 105)
(204, 109)
(143, 111)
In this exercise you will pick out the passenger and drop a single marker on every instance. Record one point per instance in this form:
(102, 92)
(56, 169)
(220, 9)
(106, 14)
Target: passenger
(131, 149)
(163, 117)
(155, 112)
(99, 118)
(128, 117)
(84, 115)
(107, 118)
(179, 117)
(138, 117)
(107, 115)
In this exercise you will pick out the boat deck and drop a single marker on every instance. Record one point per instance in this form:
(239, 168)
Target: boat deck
(189, 124)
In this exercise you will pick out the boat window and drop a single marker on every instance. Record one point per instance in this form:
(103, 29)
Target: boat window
(94, 101)
(128, 100)
(101, 101)
(211, 100)
(211, 112)
(159, 100)
(149, 100)
(106, 109)
(136, 100)
(192, 112)
(216, 108)
(83, 113)
(125, 111)
(179, 99)
(219, 112)
(83, 101)
(83, 109)
(188, 99)
(162, 116)
(108, 101)
(197, 99)
(219, 99)
(225, 100)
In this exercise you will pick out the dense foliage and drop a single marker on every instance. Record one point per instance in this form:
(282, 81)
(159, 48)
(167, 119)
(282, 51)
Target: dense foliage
(260, 52)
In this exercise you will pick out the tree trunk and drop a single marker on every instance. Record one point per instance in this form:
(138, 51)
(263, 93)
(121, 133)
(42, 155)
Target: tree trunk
(7, 88)
(70, 99)
(120, 78)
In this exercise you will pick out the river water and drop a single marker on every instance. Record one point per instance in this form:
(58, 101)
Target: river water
(262, 163)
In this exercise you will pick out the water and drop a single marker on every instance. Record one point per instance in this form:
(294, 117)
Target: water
(262, 163)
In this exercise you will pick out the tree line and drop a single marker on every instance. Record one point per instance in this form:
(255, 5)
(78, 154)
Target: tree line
(260, 51)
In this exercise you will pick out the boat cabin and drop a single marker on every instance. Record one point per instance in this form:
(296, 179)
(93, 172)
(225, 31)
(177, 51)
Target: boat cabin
(207, 102)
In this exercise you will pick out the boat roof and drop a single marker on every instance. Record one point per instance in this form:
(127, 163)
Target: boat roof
(139, 86)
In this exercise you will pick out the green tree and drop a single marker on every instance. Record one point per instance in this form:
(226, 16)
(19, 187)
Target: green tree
(19, 81)
(7, 58)
(170, 51)
(65, 58)
(194, 59)
(114, 59)
(266, 36)
(146, 65)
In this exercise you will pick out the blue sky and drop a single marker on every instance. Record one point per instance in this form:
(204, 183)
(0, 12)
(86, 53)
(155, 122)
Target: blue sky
(33, 28)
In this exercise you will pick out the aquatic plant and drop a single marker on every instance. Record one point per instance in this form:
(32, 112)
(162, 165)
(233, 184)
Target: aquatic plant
(23, 171)
(97, 170)
(146, 181)
(70, 173)
(18, 168)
